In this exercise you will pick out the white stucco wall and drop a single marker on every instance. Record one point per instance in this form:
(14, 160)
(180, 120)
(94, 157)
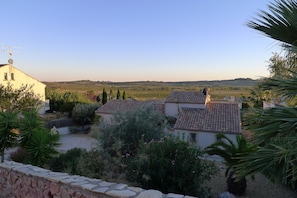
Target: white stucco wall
(173, 109)
(20, 78)
(203, 139)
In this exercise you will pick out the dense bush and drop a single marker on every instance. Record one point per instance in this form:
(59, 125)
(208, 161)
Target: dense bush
(66, 162)
(121, 136)
(79, 162)
(64, 101)
(171, 165)
(84, 113)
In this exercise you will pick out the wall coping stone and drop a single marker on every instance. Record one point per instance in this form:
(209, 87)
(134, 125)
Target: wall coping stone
(61, 183)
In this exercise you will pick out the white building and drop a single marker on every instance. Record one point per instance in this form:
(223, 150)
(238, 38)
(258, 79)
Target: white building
(17, 78)
(198, 119)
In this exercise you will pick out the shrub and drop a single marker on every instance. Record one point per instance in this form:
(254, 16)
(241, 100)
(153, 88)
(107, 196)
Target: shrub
(171, 165)
(122, 135)
(66, 162)
(84, 114)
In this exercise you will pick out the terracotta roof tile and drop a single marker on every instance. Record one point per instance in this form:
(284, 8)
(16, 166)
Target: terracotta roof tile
(216, 117)
(113, 106)
(194, 97)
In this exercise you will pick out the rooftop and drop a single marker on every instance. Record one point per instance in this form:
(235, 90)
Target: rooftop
(194, 97)
(216, 117)
(114, 106)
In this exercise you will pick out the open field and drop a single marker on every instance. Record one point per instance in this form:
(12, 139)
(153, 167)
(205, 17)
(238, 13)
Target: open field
(145, 90)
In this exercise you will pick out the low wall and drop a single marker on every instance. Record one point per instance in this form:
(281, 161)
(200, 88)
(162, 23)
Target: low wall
(27, 181)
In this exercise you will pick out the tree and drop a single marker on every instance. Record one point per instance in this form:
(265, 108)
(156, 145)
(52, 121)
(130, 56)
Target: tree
(84, 113)
(110, 95)
(8, 135)
(118, 94)
(19, 99)
(104, 96)
(275, 128)
(29, 123)
(124, 95)
(41, 147)
(230, 151)
(171, 165)
(37, 144)
(127, 129)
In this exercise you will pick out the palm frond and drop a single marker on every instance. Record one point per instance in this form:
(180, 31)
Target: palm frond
(279, 23)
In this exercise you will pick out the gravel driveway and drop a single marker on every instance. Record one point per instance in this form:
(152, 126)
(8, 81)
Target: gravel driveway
(69, 141)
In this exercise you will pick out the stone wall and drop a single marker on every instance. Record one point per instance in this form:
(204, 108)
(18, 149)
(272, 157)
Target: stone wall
(27, 181)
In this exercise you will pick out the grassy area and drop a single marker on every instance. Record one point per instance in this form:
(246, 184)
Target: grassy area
(147, 90)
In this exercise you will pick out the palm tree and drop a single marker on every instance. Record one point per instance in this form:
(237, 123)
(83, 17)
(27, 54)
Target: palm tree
(275, 129)
(230, 151)
(8, 124)
(280, 23)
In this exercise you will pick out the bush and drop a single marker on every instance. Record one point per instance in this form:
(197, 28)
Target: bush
(122, 135)
(171, 165)
(90, 164)
(67, 162)
(84, 114)
(79, 162)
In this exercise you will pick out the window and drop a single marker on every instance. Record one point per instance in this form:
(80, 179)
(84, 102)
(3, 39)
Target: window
(12, 76)
(5, 76)
(193, 137)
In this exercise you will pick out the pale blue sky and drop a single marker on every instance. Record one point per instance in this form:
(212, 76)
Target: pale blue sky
(131, 40)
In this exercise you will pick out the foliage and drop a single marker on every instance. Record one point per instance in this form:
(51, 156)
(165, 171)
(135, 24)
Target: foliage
(104, 96)
(282, 65)
(278, 23)
(91, 164)
(230, 151)
(258, 95)
(67, 162)
(19, 99)
(275, 134)
(8, 124)
(118, 94)
(110, 95)
(29, 122)
(124, 95)
(64, 101)
(80, 162)
(84, 113)
(127, 129)
(275, 128)
(171, 165)
(41, 147)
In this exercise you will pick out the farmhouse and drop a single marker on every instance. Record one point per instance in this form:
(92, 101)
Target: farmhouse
(198, 119)
(17, 78)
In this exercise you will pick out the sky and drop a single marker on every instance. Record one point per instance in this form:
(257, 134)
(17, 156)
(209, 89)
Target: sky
(135, 40)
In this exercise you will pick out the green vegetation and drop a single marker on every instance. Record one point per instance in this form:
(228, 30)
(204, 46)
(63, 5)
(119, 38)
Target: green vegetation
(104, 96)
(19, 99)
(171, 166)
(64, 101)
(275, 128)
(147, 90)
(230, 151)
(84, 114)
(127, 129)
(8, 137)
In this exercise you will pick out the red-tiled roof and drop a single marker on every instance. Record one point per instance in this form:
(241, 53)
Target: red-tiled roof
(194, 97)
(114, 106)
(216, 117)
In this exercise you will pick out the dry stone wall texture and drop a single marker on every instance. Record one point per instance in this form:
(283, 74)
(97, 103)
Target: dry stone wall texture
(27, 181)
